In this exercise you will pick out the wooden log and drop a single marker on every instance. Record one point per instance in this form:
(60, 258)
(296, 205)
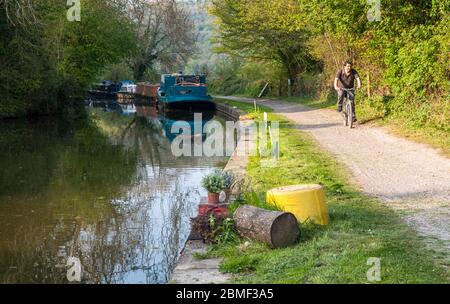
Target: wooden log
(277, 229)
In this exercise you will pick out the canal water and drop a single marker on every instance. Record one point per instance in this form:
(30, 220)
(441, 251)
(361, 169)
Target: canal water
(103, 190)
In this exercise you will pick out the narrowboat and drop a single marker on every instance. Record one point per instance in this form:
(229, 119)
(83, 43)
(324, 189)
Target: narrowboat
(106, 89)
(122, 90)
(147, 90)
(183, 89)
(127, 91)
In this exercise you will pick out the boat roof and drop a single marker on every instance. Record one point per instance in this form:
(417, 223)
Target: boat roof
(126, 82)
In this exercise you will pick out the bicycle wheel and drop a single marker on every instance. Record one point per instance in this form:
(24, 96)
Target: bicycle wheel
(349, 114)
(345, 113)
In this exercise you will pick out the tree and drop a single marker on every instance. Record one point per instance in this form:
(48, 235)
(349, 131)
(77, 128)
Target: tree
(44, 58)
(260, 29)
(104, 36)
(164, 32)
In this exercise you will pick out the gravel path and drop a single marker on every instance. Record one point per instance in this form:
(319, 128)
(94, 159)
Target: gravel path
(408, 176)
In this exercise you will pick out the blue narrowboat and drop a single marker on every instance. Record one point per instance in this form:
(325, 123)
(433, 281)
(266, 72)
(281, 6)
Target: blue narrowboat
(180, 88)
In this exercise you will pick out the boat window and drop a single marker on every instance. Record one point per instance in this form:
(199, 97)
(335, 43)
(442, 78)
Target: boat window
(188, 80)
(180, 80)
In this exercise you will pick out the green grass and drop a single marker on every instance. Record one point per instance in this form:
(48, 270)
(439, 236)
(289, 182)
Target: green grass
(361, 228)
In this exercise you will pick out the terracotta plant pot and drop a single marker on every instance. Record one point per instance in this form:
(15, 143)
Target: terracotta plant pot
(213, 198)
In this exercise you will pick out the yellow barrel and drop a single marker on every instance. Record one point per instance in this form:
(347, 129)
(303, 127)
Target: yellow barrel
(306, 202)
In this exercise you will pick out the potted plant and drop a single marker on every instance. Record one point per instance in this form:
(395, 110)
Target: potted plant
(214, 183)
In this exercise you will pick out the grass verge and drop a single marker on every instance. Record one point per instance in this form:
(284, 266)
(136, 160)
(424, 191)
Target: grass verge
(361, 228)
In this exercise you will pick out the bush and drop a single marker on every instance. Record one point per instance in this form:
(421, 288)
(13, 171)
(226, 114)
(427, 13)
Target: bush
(214, 229)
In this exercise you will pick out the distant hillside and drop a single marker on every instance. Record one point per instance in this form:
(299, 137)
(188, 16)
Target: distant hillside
(204, 59)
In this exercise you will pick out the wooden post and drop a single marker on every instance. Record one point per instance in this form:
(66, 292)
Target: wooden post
(263, 90)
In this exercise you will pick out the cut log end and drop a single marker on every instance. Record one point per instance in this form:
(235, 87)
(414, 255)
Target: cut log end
(277, 229)
(285, 231)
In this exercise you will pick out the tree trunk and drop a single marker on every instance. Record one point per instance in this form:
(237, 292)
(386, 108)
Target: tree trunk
(139, 71)
(141, 65)
(292, 74)
(277, 229)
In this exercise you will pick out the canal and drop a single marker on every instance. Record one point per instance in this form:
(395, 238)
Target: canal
(104, 189)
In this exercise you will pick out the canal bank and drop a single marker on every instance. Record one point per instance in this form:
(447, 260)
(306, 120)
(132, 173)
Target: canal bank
(189, 269)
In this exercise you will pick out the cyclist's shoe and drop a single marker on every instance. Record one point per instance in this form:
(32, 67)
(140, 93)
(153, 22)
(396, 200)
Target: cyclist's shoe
(339, 110)
(354, 119)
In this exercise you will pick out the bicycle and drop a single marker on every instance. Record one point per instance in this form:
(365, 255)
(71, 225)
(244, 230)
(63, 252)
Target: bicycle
(347, 110)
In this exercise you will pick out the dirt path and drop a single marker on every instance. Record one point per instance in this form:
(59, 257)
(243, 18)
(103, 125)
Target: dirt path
(408, 176)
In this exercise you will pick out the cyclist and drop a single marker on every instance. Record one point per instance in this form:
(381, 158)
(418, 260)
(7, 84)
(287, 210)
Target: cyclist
(346, 77)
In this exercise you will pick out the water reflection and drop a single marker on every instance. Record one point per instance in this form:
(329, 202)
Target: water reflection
(105, 189)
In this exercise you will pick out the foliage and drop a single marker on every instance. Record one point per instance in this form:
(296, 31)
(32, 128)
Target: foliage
(103, 36)
(229, 178)
(222, 229)
(45, 58)
(214, 182)
(214, 229)
(165, 35)
(239, 76)
(118, 72)
(402, 59)
(256, 29)
(218, 180)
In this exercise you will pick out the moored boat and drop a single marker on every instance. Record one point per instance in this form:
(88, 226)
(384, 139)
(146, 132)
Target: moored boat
(127, 90)
(122, 90)
(147, 90)
(180, 88)
(106, 89)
